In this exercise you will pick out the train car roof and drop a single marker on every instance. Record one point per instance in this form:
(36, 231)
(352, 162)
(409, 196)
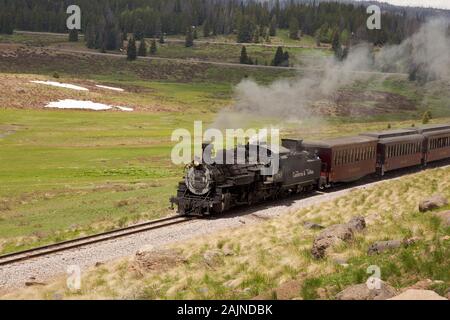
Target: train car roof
(339, 142)
(436, 133)
(400, 139)
(433, 127)
(389, 133)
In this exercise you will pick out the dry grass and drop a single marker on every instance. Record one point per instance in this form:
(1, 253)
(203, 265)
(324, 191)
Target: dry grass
(257, 259)
(23, 94)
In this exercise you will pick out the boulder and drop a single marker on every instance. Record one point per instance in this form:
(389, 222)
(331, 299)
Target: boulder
(151, 259)
(435, 202)
(329, 237)
(444, 217)
(212, 257)
(357, 224)
(381, 246)
(362, 292)
(34, 283)
(313, 226)
(424, 284)
(415, 294)
(336, 233)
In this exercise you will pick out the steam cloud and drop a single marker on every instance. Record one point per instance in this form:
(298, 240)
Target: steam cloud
(291, 99)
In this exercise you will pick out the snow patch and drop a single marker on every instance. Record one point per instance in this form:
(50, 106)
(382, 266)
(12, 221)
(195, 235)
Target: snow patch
(110, 88)
(125, 109)
(61, 85)
(84, 105)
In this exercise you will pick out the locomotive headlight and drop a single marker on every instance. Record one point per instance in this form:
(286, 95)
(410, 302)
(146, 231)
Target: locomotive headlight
(198, 180)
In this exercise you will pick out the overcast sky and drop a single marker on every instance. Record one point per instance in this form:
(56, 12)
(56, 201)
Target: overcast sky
(442, 4)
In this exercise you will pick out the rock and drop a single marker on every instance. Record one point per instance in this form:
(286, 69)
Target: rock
(357, 224)
(362, 292)
(329, 237)
(424, 284)
(313, 226)
(410, 241)
(415, 294)
(99, 264)
(147, 260)
(34, 283)
(288, 290)
(234, 283)
(228, 252)
(435, 202)
(381, 246)
(444, 217)
(212, 257)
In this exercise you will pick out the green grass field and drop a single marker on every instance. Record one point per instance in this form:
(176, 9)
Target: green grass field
(68, 173)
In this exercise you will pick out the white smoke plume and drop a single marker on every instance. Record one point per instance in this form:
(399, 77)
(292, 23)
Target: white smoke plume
(291, 99)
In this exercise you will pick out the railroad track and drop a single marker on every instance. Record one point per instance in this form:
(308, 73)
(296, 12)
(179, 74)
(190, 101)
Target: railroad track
(92, 239)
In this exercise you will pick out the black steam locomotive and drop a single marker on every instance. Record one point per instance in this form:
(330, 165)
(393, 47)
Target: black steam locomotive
(214, 188)
(210, 188)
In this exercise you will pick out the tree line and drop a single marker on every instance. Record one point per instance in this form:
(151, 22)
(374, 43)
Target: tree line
(106, 23)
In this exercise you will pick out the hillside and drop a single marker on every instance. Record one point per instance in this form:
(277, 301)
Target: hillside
(272, 259)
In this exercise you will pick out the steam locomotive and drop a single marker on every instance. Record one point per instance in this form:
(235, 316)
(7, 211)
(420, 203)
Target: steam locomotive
(213, 188)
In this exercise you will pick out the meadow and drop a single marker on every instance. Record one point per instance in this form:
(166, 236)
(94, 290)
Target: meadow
(71, 173)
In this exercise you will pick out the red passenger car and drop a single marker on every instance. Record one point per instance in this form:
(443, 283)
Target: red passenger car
(397, 149)
(437, 145)
(346, 159)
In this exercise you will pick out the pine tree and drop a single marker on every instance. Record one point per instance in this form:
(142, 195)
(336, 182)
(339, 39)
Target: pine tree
(142, 51)
(244, 57)
(279, 57)
(256, 36)
(273, 27)
(73, 35)
(161, 38)
(131, 50)
(89, 36)
(153, 47)
(293, 29)
(189, 38)
(426, 117)
(286, 57)
(206, 29)
(246, 30)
